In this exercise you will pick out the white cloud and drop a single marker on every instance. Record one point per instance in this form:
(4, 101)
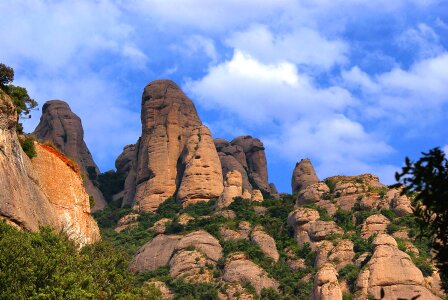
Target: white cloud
(197, 44)
(293, 117)
(302, 46)
(445, 149)
(423, 41)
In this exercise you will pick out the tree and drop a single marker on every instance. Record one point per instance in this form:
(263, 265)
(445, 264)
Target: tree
(427, 180)
(19, 95)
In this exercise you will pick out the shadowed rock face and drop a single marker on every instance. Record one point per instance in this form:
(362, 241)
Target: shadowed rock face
(303, 176)
(175, 154)
(246, 155)
(59, 125)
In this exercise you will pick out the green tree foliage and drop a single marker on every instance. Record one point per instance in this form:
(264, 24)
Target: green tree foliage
(427, 180)
(27, 144)
(46, 265)
(19, 95)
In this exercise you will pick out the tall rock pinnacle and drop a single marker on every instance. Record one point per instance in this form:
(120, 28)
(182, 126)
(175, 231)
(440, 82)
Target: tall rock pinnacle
(175, 153)
(59, 125)
(303, 175)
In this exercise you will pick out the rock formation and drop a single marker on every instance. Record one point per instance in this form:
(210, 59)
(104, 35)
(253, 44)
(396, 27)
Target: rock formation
(233, 187)
(393, 271)
(326, 285)
(61, 127)
(245, 154)
(64, 188)
(240, 269)
(46, 190)
(22, 202)
(303, 176)
(265, 242)
(175, 155)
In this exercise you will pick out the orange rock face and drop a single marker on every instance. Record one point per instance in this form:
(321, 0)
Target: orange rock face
(63, 186)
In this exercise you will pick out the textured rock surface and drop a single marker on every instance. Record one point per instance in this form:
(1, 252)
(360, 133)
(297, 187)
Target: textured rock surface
(374, 224)
(202, 178)
(265, 242)
(245, 154)
(303, 176)
(191, 266)
(60, 126)
(127, 222)
(155, 254)
(233, 187)
(239, 269)
(202, 241)
(66, 192)
(326, 285)
(256, 196)
(392, 270)
(22, 202)
(312, 193)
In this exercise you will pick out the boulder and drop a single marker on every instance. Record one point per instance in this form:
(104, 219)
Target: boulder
(392, 271)
(319, 230)
(203, 242)
(126, 222)
(303, 176)
(312, 193)
(154, 254)
(63, 128)
(233, 187)
(326, 285)
(256, 196)
(265, 242)
(342, 255)
(240, 269)
(374, 224)
(191, 265)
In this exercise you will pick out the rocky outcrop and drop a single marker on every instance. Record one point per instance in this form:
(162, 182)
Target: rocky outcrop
(202, 177)
(176, 251)
(154, 254)
(246, 155)
(392, 271)
(265, 242)
(240, 269)
(127, 222)
(64, 188)
(303, 176)
(22, 202)
(175, 155)
(374, 224)
(233, 187)
(191, 266)
(256, 196)
(307, 227)
(46, 190)
(61, 127)
(326, 285)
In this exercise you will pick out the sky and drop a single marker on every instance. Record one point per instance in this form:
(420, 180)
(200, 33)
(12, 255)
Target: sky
(354, 85)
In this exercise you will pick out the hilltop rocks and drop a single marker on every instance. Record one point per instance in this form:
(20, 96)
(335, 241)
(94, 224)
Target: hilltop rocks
(202, 178)
(374, 224)
(60, 126)
(303, 176)
(22, 202)
(245, 154)
(191, 265)
(233, 187)
(326, 285)
(393, 271)
(307, 227)
(240, 269)
(175, 155)
(65, 190)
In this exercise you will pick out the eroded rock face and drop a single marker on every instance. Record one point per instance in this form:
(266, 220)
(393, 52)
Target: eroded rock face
(22, 202)
(246, 155)
(191, 265)
(393, 271)
(202, 178)
(374, 224)
(154, 254)
(66, 192)
(60, 126)
(240, 269)
(233, 187)
(265, 242)
(326, 285)
(303, 176)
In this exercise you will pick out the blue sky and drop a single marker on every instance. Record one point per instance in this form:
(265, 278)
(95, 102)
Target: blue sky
(354, 85)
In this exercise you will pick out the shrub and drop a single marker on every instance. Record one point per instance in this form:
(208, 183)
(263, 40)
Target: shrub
(28, 147)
